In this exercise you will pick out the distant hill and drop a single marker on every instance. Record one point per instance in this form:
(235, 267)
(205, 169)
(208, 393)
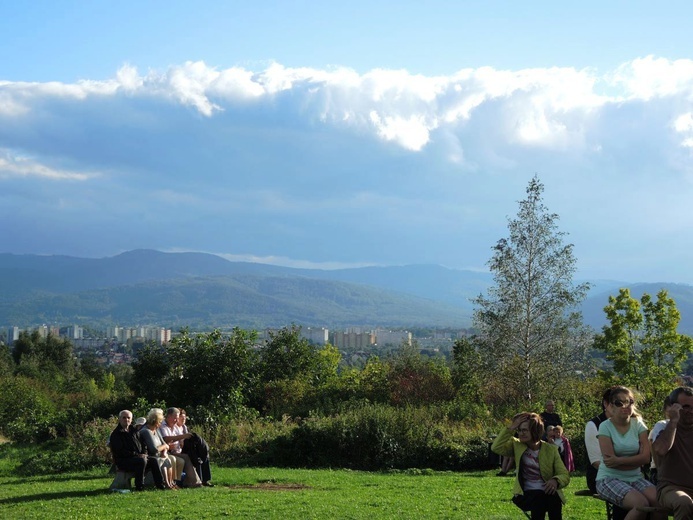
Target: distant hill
(202, 290)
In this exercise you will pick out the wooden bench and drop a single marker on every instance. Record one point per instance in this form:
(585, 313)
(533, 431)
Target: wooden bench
(588, 493)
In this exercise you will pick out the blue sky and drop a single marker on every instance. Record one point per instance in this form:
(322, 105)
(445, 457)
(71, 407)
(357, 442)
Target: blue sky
(369, 133)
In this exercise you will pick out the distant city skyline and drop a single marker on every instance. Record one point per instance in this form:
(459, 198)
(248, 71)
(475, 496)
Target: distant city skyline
(331, 136)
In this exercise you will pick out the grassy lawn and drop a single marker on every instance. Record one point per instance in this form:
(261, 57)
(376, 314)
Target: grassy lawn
(274, 493)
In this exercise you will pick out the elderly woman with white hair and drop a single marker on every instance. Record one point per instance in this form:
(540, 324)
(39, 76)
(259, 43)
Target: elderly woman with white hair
(170, 466)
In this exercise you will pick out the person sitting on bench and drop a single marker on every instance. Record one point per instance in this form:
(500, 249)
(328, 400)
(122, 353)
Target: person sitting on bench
(625, 449)
(130, 454)
(674, 450)
(541, 474)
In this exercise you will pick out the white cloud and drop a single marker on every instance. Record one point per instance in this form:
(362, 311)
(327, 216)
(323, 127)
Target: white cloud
(290, 262)
(650, 77)
(12, 165)
(552, 107)
(289, 161)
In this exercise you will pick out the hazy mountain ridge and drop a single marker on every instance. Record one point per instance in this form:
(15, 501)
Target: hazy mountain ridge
(199, 289)
(176, 289)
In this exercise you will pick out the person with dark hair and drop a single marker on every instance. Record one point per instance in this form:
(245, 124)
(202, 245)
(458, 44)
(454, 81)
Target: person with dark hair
(198, 451)
(541, 474)
(625, 448)
(130, 454)
(674, 450)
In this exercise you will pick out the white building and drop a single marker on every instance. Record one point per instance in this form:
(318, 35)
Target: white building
(316, 336)
(12, 335)
(392, 337)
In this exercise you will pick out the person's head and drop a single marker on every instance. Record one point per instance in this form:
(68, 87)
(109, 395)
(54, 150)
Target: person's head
(125, 418)
(139, 422)
(172, 416)
(683, 395)
(550, 433)
(531, 430)
(606, 398)
(182, 416)
(549, 406)
(666, 405)
(558, 432)
(155, 417)
(621, 402)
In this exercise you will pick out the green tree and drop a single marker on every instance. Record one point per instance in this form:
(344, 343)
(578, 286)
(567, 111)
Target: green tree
(214, 371)
(210, 373)
(44, 358)
(154, 373)
(6, 362)
(415, 380)
(467, 368)
(642, 341)
(294, 375)
(530, 332)
(288, 356)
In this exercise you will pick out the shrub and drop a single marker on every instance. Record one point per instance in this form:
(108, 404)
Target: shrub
(27, 413)
(376, 437)
(83, 448)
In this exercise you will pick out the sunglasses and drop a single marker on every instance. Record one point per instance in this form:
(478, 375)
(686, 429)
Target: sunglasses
(620, 404)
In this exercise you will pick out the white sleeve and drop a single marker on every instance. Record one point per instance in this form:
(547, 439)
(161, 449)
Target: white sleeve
(594, 452)
(656, 430)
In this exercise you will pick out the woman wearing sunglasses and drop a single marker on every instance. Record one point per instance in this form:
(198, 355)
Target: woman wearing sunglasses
(541, 474)
(625, 448)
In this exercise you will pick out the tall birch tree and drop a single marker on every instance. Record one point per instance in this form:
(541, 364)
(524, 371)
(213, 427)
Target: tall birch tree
(529, 329)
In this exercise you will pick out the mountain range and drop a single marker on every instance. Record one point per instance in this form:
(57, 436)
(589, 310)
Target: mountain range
(146, 287)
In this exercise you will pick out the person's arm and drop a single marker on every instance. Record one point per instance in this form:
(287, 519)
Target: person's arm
(147, 436)
(594, 452)
(503, 444)
(121, 449)
(561, 477)
(168, 436)
(627, 462)
(664, 442)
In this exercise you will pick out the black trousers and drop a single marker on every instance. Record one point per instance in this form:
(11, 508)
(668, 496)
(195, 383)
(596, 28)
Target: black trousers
(139, 466)
(203, 470)
(539, 503)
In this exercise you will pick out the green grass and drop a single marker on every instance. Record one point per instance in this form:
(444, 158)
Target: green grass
(274, 493)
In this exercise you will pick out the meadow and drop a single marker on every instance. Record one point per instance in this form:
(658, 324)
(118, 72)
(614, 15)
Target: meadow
(275, 493)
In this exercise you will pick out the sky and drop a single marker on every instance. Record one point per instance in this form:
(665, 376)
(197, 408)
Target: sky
(331, 135)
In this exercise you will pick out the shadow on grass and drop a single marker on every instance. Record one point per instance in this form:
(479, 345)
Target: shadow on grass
(51, 478)
(40, 497)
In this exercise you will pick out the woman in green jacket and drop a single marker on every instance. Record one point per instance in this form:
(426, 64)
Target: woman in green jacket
(541, 474)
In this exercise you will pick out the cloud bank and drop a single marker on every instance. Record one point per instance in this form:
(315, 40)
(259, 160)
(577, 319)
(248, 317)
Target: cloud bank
(343, 168)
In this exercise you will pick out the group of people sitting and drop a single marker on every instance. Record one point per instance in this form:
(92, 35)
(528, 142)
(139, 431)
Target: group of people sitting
(163, 445)
(618, 447)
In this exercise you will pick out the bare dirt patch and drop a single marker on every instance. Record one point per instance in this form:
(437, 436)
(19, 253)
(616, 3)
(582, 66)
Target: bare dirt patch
(272, 486)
